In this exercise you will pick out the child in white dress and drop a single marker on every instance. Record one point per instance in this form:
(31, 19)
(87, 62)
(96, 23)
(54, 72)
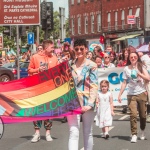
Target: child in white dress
(105, 111)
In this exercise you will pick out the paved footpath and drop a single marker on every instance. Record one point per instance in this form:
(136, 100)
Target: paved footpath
(17, 137)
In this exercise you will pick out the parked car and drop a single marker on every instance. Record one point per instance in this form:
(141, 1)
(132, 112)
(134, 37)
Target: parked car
(6, 75)
(23, 68)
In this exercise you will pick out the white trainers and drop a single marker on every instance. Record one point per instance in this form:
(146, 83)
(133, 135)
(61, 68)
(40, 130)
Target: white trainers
(142, 136)
(106, 135)
(102, 135)
(134, 139)
(48, 138)
(36, 138)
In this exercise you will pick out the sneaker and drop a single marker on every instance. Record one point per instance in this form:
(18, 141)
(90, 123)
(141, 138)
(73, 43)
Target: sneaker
(148, 119)
(102, 135)
(142, 137)
(36, 138)
(106, 135)
(48, 138)
(134, 139)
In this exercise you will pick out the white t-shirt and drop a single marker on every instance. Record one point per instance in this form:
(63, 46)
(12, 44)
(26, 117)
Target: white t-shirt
(111, 65)
(136, 86)
(145, 58)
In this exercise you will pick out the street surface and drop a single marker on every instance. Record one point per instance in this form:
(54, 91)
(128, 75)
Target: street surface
(17, 137)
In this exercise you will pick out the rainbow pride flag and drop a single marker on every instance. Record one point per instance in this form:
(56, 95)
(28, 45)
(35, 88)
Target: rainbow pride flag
(49, 94)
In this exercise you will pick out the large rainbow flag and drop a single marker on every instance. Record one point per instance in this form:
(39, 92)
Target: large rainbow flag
(49, 94)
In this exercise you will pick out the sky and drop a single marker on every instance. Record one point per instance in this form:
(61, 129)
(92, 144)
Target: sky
(60, 3)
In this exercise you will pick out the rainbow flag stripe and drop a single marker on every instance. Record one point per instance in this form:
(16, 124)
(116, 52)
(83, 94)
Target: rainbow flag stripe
(50, 94)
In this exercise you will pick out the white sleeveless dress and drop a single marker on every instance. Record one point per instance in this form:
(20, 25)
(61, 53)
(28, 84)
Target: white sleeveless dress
(104, 117)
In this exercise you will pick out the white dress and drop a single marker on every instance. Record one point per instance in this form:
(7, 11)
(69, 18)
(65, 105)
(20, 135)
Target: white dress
(104, 117)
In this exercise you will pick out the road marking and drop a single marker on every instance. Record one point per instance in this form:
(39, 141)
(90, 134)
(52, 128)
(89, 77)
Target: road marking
(124, 117)
(110, 128)
(82, 148)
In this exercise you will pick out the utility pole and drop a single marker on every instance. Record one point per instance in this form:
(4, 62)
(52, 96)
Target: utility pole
(62, 23)
(18, 67)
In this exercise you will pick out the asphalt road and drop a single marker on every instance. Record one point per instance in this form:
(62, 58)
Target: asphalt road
(17, 137)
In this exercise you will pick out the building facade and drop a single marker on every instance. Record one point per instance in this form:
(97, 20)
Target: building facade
(114, 19)
(85, 19)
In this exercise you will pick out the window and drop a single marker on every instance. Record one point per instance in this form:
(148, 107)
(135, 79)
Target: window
(86, 24)
(73, 26)
(79, 25)
(116, 20)
(85, 0)
(109, 22)
(130, 13)
(137, 16)
(72, 2)
(78, 1)
(98, 22)
(92, 23)
(123, 19)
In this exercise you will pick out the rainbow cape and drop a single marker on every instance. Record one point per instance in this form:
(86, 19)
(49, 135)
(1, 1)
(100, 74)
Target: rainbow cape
(49, 94)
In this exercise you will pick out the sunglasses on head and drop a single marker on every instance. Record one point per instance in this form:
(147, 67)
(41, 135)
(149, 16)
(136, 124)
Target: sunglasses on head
(77, 49)
(106, 57)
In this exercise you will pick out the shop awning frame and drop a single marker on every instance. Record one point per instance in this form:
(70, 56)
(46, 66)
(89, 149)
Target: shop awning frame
(126, 37)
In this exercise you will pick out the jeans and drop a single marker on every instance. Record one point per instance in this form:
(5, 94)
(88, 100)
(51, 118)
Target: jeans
(74, 126)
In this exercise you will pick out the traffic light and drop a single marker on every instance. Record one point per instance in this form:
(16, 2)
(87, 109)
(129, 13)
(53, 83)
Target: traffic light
(43, 10)
(102, 39)
(47, 15)
(6, 30)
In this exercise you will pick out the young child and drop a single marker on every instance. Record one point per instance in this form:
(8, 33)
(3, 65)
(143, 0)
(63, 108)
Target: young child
(105, 111)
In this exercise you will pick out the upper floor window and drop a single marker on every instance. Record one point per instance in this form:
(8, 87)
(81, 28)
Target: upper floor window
(72, 22)
(92, 23)
(116, 20)
(86, 24)
(109, 21)
(98, 22)
(72, 2)
(123, 19)
(137, 17)
(79, 25)
(78, 1)
(130, 13)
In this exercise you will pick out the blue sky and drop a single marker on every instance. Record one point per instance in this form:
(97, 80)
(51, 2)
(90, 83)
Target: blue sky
(60, 3)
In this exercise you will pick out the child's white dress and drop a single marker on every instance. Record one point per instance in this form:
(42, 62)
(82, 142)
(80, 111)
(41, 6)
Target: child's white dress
(104, 117)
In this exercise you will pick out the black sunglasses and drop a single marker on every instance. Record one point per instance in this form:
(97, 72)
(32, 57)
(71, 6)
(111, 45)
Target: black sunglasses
(77, 49)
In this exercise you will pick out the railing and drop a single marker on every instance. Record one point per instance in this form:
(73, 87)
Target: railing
(120, 27)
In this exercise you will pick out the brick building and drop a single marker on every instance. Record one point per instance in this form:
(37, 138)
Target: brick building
(85, 19)
(114, 21)
(91, 18)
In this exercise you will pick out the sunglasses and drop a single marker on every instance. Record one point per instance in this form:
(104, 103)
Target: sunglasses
(135, 57)
(77, 49)
(106, 57)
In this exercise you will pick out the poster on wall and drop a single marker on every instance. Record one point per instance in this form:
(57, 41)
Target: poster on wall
(93, 44)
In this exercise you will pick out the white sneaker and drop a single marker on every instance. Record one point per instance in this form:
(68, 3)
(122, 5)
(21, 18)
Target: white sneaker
(48, 138)
(36, 138)
(134, 139)
(102, 135)
(142, 137)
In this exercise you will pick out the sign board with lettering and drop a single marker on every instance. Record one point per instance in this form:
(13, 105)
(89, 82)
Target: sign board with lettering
(1, 41)
(20, 12)
(30, 38)
(131, 19)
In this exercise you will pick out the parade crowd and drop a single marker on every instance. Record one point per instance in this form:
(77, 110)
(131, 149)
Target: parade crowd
(84, 66)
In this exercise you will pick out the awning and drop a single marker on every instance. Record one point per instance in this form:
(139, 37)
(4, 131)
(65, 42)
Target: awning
(126, 37)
